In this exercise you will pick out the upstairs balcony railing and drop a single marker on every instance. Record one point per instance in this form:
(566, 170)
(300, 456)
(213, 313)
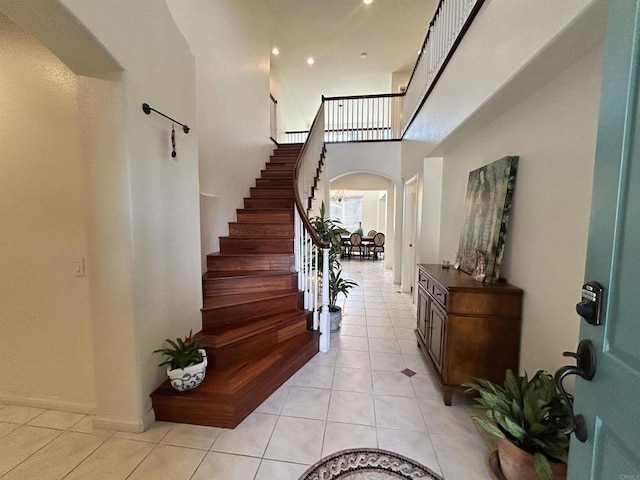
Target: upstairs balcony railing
(388, 116)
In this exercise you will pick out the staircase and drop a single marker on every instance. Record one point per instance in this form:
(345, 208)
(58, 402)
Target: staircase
(255, 330)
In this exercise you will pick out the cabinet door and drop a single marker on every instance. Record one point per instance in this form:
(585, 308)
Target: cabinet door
(436, 335)
(423, 313)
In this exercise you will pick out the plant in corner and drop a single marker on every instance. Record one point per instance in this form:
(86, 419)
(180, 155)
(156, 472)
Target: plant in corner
(330, 230)
(531, 415)
(186, 362)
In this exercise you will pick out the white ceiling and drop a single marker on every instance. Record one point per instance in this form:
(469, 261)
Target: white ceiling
(335, 33)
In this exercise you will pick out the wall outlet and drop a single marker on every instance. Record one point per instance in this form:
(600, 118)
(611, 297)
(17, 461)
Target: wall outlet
(79, 268)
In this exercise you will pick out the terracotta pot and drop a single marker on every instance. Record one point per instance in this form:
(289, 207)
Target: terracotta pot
(516, 464)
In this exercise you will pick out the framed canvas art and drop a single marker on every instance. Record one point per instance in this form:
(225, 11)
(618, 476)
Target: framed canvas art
(487, 210)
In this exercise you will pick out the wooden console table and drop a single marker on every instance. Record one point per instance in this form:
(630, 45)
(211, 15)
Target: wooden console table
(467, 329)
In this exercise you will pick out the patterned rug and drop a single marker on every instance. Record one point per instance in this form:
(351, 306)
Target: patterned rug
(367, 464)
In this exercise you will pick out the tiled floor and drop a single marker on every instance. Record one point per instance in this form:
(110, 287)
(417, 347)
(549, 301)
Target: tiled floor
(353, 396)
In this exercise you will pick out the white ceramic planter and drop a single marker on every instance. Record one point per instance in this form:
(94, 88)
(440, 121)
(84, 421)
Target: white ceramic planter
(183, 379)
(335, 319)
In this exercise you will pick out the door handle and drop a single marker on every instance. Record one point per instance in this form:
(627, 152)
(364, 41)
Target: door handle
(586, 368)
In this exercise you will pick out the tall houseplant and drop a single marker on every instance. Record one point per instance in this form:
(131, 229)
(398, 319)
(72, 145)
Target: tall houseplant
(331, 230)
(530, 414)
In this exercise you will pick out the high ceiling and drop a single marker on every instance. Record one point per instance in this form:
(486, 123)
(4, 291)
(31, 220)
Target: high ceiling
(335, 33)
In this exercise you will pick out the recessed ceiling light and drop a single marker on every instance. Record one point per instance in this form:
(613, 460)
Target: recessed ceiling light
(367, 2)
(310, 61)
(275, 51)
(363, 55)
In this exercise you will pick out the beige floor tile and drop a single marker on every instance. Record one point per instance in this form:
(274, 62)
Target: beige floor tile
(86, 426)
(56, 419)
(406, 334)
(23, 442)
(403, 322)
(352, 319)
(353, 359)
(7, 428)
(191, 436)
(425, 387)
(340, 436)
(275, 470)
(351, 407)
(153, 434)
(389, 362)
(392, 383)
(359, 344)
(461, 458)
(248, 438)
(352, 380)
(19, 414)
(57, 458)
(417, 363)
(379, 322)
(226, 467)
(409, 346)
(414, 445)
(315, 376)
(116, 458)
(441, 419)
(326, 359)
(380, 332)
(353, 330)
(296, 440)
(384, 345)
(398, 412)
(307, 402)
(167, 462)
(273, 404)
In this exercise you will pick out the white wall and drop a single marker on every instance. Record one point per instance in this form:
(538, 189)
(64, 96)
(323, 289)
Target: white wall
(379, 158)
(230, 41)
(143, 218)
(553, 131)
(503, 38)
(45, 319)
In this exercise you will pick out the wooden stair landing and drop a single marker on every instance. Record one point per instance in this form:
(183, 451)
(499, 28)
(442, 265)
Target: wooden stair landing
(255, 330)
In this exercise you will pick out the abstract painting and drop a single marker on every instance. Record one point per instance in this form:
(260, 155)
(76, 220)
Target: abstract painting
(487, 210)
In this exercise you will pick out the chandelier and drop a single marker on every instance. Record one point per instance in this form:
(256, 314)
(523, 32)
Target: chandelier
(339, 195)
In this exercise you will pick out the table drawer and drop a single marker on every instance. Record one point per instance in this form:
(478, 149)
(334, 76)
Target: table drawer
(439, 294)
(423, 280)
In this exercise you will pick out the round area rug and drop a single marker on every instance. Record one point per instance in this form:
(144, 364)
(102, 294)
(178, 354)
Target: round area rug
(367, 464)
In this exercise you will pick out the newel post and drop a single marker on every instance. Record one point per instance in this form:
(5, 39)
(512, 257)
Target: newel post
(325, 329)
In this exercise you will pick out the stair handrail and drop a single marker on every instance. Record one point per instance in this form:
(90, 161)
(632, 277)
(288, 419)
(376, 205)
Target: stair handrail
(307, 242)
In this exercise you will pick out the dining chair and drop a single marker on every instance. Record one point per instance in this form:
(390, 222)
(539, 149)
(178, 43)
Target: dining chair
(378, 245)
(355, 242)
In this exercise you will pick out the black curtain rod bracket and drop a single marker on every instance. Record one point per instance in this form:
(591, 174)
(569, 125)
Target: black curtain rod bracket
(147, 109)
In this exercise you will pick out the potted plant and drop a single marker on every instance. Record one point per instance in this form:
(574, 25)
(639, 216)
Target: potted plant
(337, 285)
(330, 230)
(529, 417)
(186, 360)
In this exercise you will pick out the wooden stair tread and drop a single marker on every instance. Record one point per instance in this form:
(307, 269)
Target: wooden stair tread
(240, 374)
(222, 301)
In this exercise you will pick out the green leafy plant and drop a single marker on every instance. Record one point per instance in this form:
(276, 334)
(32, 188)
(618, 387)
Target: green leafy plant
(338, 285)
(529, 413)
(182, 353)
(330, 230)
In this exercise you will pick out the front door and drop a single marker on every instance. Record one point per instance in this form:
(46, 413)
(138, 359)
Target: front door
(610, 403)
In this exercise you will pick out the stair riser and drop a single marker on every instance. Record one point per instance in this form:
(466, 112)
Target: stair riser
(279, 166)
(240, 314)
(276, 173)
(265, 217)
(233, 285)
(257, 192)
(220, 263)
(250, 246)
(284, 230)
(284, 157)
(269, 203)
(274, 182)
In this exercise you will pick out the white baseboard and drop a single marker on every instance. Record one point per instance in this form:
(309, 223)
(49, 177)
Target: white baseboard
(125, 424)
